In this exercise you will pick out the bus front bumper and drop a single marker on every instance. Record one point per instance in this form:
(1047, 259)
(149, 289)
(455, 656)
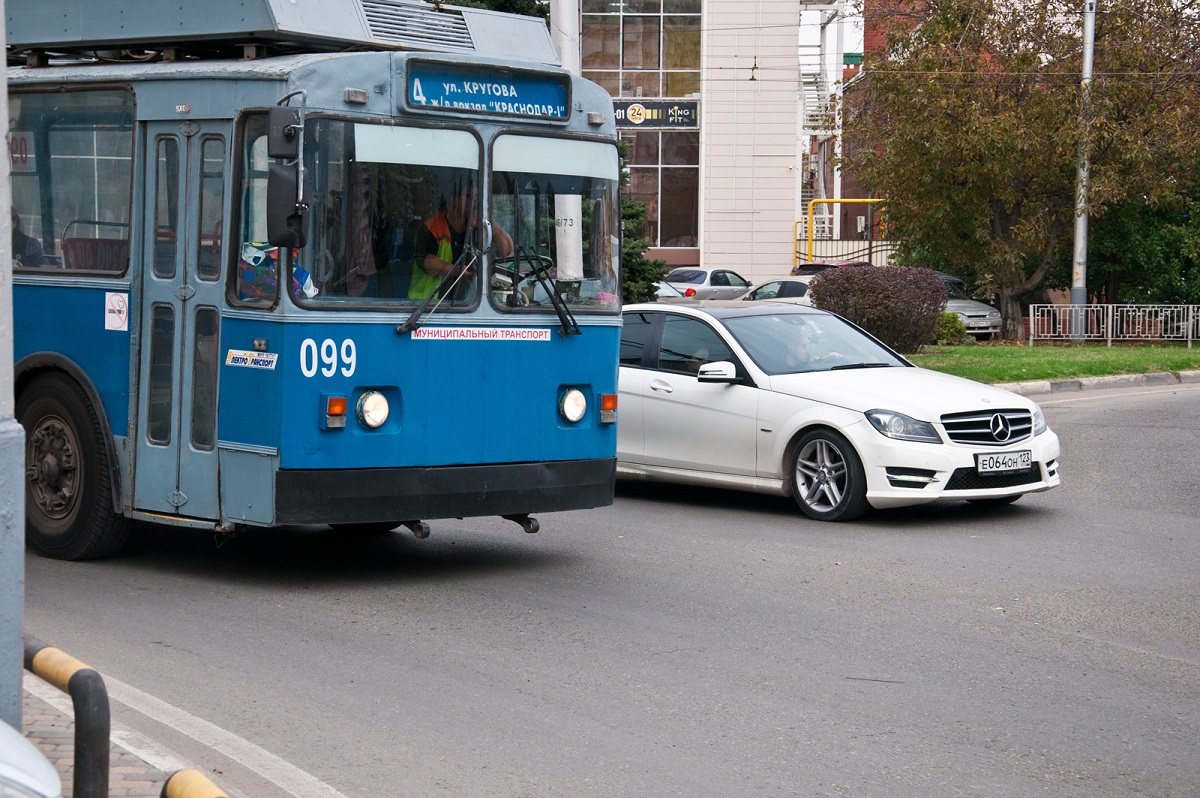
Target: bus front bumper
(368, 495)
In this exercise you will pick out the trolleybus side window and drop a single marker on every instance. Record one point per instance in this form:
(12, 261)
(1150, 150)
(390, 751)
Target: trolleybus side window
(212, 190)
(256, 277)
(71, 157)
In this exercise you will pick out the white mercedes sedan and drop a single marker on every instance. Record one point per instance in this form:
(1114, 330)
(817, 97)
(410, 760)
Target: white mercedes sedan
(795, 401)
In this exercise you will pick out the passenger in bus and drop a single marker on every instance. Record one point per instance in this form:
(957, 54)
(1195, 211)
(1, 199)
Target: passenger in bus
(26, 250)
(440, 242)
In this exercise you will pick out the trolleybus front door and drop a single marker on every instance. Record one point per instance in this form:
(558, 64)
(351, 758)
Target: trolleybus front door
(175, 458)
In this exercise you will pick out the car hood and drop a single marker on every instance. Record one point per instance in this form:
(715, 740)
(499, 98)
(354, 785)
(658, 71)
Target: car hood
(968, 306)
(925, 395)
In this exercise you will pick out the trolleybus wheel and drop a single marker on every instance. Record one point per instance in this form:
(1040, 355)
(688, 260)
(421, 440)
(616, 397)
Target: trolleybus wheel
(68, 499)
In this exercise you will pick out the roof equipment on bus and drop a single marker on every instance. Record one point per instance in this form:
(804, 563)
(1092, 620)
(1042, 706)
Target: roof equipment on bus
(141, 30)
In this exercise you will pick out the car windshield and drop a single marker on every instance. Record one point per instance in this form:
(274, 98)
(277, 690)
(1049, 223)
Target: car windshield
(955, 290)
(791, 343)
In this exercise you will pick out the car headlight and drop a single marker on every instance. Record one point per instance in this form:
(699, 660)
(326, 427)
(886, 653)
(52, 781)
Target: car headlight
(962, 316)
(902, 427)
(372, 409)
(995, 314)
(572, 405)
(1039, 421)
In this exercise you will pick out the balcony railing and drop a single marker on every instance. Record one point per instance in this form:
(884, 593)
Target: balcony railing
(1115, 323)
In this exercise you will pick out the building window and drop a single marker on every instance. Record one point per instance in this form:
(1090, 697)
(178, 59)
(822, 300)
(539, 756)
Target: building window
(651, 49)
(664, 173)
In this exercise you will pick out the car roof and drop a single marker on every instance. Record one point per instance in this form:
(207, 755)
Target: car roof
(729, 308)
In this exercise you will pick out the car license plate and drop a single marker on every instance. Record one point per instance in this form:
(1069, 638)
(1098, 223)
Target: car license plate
(1004, 462)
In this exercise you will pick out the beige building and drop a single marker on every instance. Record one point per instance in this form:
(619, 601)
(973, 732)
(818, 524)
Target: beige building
(723, 104)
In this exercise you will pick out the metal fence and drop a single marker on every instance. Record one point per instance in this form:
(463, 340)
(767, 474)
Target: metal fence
(1115, 323)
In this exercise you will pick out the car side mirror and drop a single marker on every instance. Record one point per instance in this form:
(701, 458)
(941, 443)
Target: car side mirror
(722, 371)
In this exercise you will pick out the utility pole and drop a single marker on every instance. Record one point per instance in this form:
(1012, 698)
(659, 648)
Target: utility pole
(12, 458)
(564, 32)
(1079, 260)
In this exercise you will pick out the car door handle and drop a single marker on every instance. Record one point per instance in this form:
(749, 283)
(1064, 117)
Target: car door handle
(660, 386)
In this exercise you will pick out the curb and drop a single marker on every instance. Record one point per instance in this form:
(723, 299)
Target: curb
(1091, 383)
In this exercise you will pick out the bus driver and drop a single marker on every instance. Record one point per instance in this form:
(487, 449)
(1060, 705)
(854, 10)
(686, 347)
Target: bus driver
(440, 240)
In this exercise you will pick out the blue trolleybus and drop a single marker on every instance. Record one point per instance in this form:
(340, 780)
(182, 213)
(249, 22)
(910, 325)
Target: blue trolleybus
(349, 263)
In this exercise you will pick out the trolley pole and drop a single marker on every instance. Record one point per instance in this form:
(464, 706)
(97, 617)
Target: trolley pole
(12, 456)
(1079, 260)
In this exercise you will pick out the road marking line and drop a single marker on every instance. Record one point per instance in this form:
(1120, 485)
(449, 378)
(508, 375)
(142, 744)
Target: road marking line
(151, 752)
(278, 771)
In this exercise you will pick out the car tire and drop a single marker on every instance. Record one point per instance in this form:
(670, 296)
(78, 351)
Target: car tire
(828, 481)
(998, 501)
(69, 511)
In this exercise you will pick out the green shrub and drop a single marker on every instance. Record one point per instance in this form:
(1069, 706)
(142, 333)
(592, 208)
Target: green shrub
(899, 306)
(950, 331)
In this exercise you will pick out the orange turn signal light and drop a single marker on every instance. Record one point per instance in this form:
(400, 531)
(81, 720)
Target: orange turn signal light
(335, 412)
(608, 408)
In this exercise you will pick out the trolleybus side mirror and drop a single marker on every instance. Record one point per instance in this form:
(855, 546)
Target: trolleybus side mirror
(283, 132)
(285, 222)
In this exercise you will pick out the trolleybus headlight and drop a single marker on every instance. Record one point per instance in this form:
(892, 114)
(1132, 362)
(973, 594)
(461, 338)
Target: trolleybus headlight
(572, 405)
(372, 409)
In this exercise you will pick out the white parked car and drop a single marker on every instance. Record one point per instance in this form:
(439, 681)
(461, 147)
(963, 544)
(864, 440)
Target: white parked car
(24, 770)
(790, 289)
(790, 400)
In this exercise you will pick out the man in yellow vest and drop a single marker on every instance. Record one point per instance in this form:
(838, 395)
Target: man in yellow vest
(440, 241)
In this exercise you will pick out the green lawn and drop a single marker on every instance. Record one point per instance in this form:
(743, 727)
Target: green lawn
(1020, 363)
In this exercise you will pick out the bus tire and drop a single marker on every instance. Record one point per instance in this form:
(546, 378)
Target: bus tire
(69, 511)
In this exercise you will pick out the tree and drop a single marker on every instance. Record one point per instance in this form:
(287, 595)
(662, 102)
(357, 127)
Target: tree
(1148, 254)
(969, 124)
(530, 8)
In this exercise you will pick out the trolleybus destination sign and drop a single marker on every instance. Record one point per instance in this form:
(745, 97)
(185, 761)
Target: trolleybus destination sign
(491, 91)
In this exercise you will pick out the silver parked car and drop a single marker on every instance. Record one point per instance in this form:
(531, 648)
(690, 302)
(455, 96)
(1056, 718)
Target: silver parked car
(696, 283)
(981, 320)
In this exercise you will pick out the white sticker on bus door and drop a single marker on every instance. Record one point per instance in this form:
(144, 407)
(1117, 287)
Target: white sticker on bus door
(116, 311)
(568, 233)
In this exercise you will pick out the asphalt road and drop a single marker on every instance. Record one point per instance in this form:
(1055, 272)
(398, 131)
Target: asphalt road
(687, 642)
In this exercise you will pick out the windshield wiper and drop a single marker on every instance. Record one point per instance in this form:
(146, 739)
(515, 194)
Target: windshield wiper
(448, 282)
(861, 366)
(567, 321)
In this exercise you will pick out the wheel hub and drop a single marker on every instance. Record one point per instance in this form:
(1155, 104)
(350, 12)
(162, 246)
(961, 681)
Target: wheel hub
(52, 474)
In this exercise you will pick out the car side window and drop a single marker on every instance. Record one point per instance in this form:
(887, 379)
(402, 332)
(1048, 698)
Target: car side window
(719, 278)
(635, 337)
(768, 291)
(794, 289)
(736, 279)
(687, 344)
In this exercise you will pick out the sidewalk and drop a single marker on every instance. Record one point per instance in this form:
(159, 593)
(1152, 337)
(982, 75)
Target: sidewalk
(1088, 383)
(51, 727)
